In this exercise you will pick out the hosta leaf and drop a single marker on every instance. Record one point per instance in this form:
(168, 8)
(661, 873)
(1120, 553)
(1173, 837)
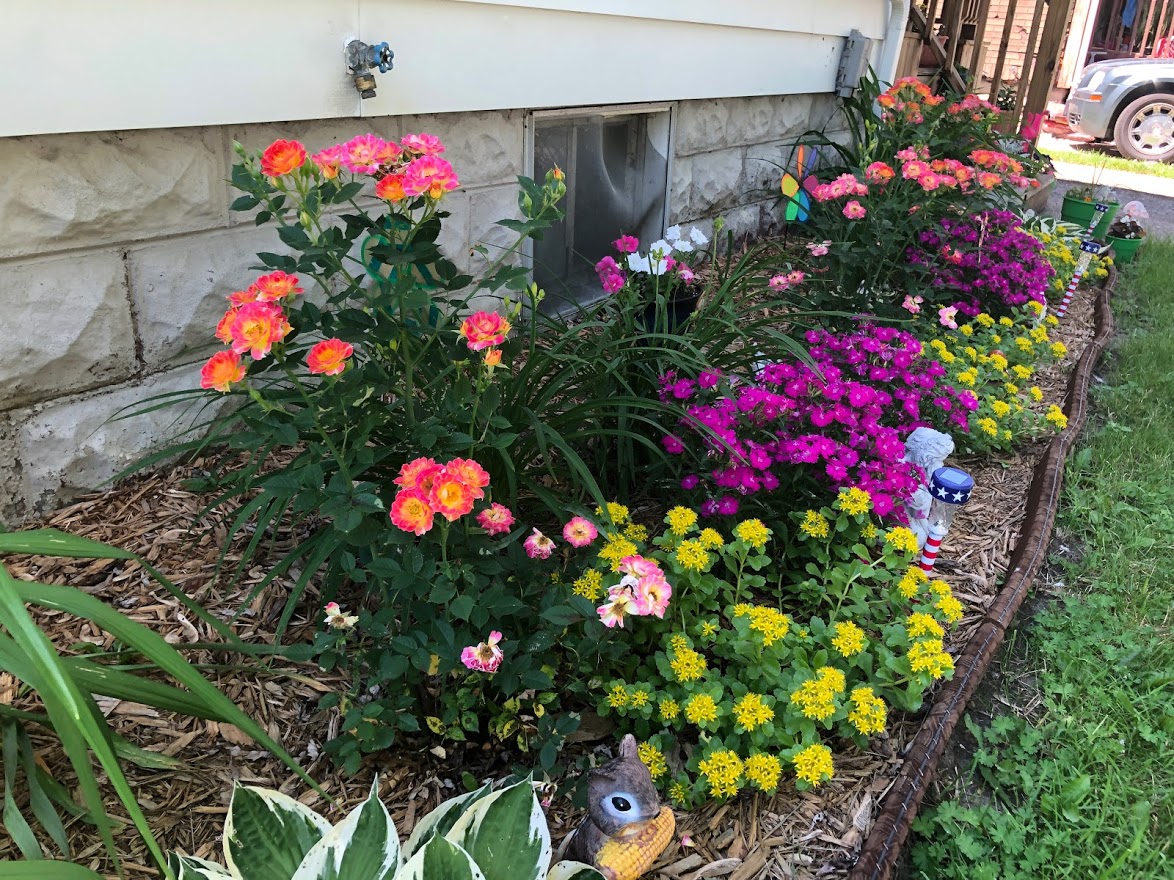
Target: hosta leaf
(267, 834)
(192, 868)
(43, 870)
(363, 846)
(441, 820)
(441, 860)
(572, 871)
(506, 834)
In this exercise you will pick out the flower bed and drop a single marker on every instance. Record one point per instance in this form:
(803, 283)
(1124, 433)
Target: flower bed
(435, 477)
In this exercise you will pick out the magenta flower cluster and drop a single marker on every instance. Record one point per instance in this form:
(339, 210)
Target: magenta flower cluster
(986, 259)
(844, 423)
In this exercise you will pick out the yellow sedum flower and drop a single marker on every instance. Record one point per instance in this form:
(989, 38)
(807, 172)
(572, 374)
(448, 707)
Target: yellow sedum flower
(901, 539)
(814, 764)
(1039, 334)
(968, 377)
(951, 608)
(848, 639)
(638, 699)
(700, 709)
(688, 665)
(1011, 388)
(771, 623)
(617, 697)
(681, 521)
(814, 699)
(589, 585)
(711, 539)
(669, 710)
(636, 532)
(763, 771)
(653, 759)
(869, 532)
(1059, 349)
(722, 770)
(999, 362)
(1021, 372)
(751, 711)
(617, 512)
(814, 524)
(678, 794)
(921, 624)
(1006, 322)
(752, 532)
(988, 426)
(868, 714)
(854, 501)
(1056, 416)
(1052, 320)
(928, 656)
(1001, 408)
(708, 629)
(831, 678)
(1036, 394)
(984, 320)
(966, 330)
(691, 555)
(677, 642)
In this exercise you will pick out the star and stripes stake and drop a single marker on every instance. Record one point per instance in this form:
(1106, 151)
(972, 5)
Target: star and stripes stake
(950, 488)
(1088, 247)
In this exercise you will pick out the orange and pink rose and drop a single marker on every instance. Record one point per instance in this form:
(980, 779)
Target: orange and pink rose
(258, 326)
(329, 357)
(223, 370)
(450, 497)
(484, 330)
(411, 511)
(429, 176)
(282, 157)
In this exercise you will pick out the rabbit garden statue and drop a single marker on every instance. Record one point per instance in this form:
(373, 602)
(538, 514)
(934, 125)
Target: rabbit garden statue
(626, 827)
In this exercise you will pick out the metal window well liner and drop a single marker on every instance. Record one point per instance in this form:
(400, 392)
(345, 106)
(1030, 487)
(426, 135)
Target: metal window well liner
(883, 847)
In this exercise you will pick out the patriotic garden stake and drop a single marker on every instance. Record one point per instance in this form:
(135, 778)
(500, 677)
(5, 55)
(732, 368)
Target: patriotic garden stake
(950, 489)
(1098, 213)
(1088, 247)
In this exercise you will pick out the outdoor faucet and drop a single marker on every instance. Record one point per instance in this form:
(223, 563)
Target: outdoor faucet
(361, 58)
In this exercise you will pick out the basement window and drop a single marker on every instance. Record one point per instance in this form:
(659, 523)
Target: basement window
(617, 184)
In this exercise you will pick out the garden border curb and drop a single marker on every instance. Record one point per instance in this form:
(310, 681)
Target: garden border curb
(883, 846)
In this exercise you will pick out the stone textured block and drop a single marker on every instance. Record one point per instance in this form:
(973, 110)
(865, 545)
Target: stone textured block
(486, 207)
(454, 231)
(761, 172)
(484, 148)
(681, 189)
(793, 116)
(717, 181)
(75, 190)
(70, 445)
(179, 288)
(701, 126)
(67, 324)
(313, 134)
(751, 120)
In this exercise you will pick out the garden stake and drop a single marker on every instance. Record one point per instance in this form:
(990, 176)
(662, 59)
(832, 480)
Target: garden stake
(1098, 214)
(951, 489)
(1088, 247)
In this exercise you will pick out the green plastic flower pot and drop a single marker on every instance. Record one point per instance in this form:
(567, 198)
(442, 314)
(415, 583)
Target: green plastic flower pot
(1079, 211)
(1124, 249)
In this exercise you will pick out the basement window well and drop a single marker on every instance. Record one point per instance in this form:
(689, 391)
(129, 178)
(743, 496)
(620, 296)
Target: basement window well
(617, 166)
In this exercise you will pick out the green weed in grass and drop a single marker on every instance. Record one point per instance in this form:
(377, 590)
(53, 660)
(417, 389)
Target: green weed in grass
(1085, 786)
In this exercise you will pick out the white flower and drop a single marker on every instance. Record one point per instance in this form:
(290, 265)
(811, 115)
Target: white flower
(637, 263)
(673, 233)
(682, 246)
(698, 236)
(660, 249)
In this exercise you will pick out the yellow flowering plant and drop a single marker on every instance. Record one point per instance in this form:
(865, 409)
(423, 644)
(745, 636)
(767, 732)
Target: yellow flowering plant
(1061, 243)
(755, 694)
(997, 360)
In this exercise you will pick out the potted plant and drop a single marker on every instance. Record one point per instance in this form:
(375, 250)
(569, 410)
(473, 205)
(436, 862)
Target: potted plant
(1080, 207)
(659, 283)
(1126, 236)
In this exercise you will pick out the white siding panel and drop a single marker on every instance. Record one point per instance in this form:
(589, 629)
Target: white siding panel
(99, 65)
(497, 55)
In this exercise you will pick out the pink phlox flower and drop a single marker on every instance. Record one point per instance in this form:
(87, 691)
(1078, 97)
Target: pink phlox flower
(614, 282)
(627, 244)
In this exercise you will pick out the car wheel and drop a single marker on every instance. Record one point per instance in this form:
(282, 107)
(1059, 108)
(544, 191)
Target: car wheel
(1145, 129)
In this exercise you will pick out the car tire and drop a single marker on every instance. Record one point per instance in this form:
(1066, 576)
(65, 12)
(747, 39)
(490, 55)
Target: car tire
(1145, 128)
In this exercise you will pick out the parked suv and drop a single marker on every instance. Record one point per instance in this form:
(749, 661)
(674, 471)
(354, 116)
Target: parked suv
(1129, 101)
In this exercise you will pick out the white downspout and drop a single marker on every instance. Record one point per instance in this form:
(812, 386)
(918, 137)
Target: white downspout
(886, 67)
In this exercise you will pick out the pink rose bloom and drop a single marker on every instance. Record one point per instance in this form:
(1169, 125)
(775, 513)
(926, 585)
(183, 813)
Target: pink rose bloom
(685, 274)
(652, 595)
(946, 315)
(580, 532)
(627, 244)
(836, 189)
(612, 614)
(496, 519)
(613, 283)
(912, 304)
(538, 546)
(429, 176)
(929, 182)
(854, 210)
(639, 566)
(907, 154)
(915, 170)
(780, 282)
(483, 330)
(795, 277)
(818, 249)
(422, 144)
(485, 657)
(363, 154)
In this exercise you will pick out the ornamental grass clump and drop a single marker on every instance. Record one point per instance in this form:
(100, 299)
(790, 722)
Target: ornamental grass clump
(814, 427)
(749, 683)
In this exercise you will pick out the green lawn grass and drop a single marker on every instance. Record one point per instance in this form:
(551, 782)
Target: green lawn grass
(1098, 159)
(1084, 787)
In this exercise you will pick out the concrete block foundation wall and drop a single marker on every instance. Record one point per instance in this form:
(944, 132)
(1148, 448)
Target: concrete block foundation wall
(117, 251)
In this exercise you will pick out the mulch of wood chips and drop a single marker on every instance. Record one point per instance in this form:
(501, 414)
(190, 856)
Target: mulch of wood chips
(813, 834)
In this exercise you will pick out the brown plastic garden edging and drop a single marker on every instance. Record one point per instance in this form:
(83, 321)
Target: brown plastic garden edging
(883, 846)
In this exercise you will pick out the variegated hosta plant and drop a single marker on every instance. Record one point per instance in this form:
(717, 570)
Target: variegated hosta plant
(482, 835)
